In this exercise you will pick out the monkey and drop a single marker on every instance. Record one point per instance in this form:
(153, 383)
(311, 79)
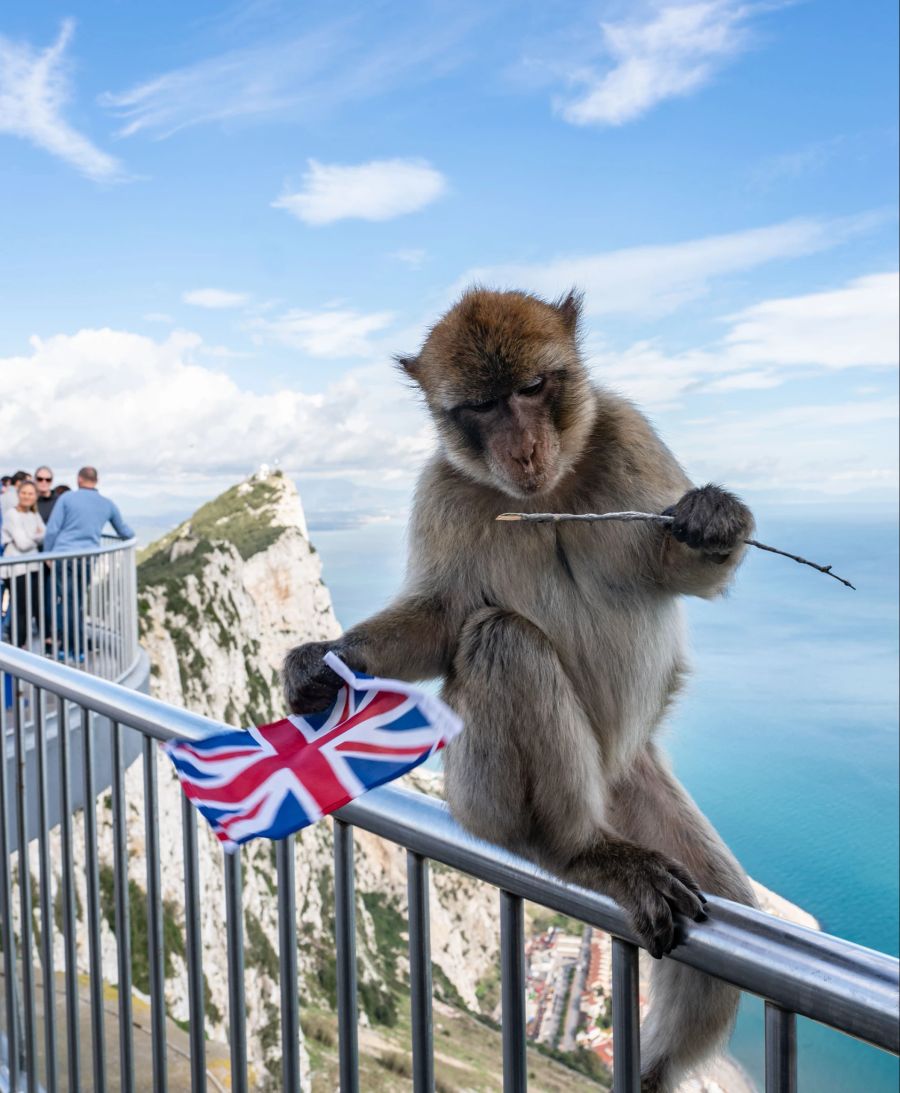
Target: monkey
(561, 646)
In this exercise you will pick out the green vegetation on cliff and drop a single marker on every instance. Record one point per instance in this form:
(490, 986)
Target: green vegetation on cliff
(243, 516)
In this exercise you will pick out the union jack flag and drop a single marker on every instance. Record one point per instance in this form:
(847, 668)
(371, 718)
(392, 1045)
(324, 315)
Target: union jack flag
(269, 781)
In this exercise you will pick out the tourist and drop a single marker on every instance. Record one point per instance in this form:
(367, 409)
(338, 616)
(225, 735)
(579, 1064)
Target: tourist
(43, 479)
(22, 533)
(76, 526)
(9, 499)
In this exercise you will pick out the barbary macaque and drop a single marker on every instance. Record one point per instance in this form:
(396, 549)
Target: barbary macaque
(560, 645)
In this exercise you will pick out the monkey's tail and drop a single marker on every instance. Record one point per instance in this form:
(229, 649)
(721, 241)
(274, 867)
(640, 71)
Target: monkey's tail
(690, 1017)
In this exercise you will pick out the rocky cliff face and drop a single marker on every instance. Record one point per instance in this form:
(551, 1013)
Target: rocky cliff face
(225, 594)
(222, 597)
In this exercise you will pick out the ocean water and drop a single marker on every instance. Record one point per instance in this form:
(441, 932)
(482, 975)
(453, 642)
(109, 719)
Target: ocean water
(787, 737)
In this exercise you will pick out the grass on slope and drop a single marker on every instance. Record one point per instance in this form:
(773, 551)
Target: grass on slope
(468, 1056)
(242, 516)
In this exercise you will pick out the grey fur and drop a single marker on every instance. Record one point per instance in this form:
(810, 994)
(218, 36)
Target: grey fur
(561, 645)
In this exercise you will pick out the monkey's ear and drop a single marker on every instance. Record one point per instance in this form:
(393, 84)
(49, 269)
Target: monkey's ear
(569, 308)
(408, 365)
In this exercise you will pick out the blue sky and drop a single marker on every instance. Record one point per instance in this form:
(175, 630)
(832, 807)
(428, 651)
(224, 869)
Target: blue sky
(217, 223)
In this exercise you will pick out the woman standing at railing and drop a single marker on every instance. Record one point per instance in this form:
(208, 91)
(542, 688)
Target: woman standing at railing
(23, 533)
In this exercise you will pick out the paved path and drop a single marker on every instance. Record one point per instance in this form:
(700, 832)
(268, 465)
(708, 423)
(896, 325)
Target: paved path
(218, 1069)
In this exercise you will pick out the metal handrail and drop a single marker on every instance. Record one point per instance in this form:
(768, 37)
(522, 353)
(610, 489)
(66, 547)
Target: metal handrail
(110, 545)
(78, 605)
(828, 979)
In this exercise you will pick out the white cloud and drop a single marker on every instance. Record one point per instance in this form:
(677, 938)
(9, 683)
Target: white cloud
(801, 161)
(291, 74)
(214, 298)
(34, 89)
(378, 190)
(165, 414)
(654, 280)
(172, 417)
(670, 53)
(414, 257)
(335, 333)
(745, 381)
(843, 448)
(849, 327)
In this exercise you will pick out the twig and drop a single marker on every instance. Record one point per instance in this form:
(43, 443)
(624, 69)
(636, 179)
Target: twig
(653, 518)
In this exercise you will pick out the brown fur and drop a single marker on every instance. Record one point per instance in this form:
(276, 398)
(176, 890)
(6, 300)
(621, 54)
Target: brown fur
(560, 645)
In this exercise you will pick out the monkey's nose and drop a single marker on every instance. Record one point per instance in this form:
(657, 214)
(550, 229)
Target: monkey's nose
(525, 455)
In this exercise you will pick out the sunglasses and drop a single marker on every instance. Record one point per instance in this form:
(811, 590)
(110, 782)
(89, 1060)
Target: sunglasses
(42, 478)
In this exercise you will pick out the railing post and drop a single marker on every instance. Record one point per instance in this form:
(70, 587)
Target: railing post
(781, 1050)
(46, 894)
(92, 878)
(287, 945)
(420, 987)
(345, 940)
(25, 909)
(234, 926)
(70, 924)
(123, 916)
(512, 992)
(6, 903)
(625, 1018)
(194, 946)
(155, 942)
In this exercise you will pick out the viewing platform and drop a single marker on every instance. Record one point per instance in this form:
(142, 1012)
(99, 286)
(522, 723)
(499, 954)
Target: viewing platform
(83, 610)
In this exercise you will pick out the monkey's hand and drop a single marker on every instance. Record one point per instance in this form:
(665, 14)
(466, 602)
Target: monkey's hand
(711, 520)
(309, 684)
(653, 889)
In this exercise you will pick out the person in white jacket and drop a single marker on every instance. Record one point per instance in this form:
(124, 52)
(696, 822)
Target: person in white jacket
(23, 533)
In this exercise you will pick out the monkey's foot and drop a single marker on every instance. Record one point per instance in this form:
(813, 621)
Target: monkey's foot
(657, 891)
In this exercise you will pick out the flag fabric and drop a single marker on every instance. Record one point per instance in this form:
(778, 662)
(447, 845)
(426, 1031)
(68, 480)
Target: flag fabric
(272, 780)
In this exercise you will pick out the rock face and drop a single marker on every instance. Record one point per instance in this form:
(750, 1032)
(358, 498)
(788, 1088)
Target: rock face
(225, 594)
(222, 597)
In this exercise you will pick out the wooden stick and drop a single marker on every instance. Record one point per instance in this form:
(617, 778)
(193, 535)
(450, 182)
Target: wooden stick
(653, 518)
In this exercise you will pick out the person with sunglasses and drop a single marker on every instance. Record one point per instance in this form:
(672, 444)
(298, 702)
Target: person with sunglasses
(46, 499)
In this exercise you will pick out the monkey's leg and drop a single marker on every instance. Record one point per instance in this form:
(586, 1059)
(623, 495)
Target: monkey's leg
(527, 773)
(691, 1014)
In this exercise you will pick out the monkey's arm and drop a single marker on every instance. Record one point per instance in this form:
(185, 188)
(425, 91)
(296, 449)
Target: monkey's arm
(700, 550)
(697, 553)
(412, 639)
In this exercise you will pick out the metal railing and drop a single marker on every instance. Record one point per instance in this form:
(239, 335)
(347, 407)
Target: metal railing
(796, 970)
(76, 607)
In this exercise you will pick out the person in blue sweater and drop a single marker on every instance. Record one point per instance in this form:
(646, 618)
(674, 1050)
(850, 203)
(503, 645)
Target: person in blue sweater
(75, 526)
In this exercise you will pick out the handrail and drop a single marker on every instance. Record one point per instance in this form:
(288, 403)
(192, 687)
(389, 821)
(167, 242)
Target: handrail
(836, 982)
(59, 555)
(80, 606)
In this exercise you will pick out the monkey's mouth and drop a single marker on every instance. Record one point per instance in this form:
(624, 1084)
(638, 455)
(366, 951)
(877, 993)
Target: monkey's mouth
(519, 483)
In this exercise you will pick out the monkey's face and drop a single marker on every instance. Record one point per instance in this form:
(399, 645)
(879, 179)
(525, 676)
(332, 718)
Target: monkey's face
(507, 390)
(509, 436)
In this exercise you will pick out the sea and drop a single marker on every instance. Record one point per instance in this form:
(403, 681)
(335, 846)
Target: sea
(787, 735)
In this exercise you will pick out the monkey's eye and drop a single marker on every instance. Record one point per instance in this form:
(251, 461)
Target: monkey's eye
(533, 387)
(482, 407)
